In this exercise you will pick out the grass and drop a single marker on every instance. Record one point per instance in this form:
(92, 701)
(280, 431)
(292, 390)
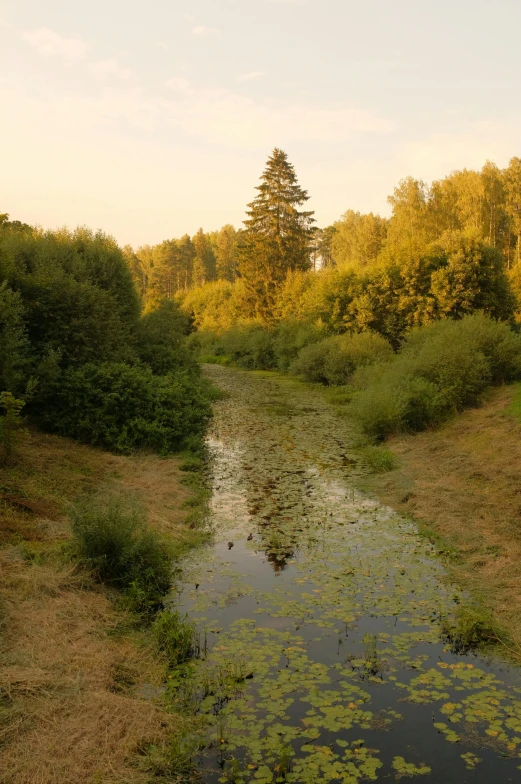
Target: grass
(462, 485)
(73, 659)
(379, 459)
(514, 409)
(113, 538)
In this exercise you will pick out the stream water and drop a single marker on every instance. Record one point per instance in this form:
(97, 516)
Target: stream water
(321, 612)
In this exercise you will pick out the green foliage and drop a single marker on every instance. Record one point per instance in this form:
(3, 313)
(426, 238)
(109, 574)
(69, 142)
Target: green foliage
(123, 408)
(278, 235)
(161, 340)
(357, 239)
(10, 424)
(113, 538)
(290, 336)
(441, 368)
(176, 637)
(333, 360)
(73, 343)
(249, 346)
(379, 459)
(15, 359)
(471, 628)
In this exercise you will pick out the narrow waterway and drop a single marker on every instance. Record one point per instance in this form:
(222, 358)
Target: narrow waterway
(321, 611)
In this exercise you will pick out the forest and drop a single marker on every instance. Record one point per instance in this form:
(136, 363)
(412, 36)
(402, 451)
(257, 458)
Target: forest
(117, 333)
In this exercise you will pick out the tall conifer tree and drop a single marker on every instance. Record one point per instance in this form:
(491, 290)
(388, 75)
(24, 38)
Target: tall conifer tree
(278, 235)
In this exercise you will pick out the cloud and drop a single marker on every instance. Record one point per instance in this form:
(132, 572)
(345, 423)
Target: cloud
(200, 31)
(229, 118)
(180, 85)
(48, 42)
(248, 77)
(437, 154)
(109, 68)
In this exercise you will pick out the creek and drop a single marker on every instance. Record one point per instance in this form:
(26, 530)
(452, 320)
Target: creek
(321, 609)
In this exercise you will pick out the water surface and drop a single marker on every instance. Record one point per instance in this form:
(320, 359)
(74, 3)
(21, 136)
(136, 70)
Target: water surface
(321, 609)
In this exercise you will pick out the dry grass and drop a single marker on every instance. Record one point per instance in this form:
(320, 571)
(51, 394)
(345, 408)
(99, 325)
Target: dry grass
(71, 661)
(464, 483)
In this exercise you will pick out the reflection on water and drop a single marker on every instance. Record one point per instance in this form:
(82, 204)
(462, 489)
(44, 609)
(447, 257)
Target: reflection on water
(322, 612)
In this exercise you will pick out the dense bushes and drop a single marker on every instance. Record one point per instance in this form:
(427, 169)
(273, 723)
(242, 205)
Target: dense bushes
(74, 346)
(254, 347)
(335, 359)
(440, 369)
(113, 538)
(121, 407)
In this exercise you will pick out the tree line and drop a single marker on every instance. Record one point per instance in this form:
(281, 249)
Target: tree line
(447, 250)
(485, 204)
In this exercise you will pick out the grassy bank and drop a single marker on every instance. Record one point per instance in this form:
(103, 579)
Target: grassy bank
(79, 671)
(462, 484)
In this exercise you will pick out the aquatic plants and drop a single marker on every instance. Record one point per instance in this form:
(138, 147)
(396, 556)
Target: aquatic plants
(324, 657)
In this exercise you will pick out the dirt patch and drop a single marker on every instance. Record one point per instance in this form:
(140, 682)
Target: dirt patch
(463, 482)
(72, 662)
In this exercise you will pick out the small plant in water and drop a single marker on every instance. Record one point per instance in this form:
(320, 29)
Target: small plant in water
(470, 629)
(372, 662)
(177, 637)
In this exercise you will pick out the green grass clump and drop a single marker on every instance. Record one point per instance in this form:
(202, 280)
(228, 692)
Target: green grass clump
(176, 637)
(379, 459)
(472, 628)
(113, 538)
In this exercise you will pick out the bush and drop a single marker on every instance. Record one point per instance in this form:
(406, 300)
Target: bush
(249, 346)
(123, 408)
(290, 337)
(161, 340)
(113, 538)
(441, 368)
(333, 360)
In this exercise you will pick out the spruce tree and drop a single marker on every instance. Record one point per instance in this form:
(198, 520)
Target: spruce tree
(278, 235)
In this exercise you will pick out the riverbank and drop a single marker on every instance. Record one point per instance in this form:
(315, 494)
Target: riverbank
(76, 669)
(462, 485)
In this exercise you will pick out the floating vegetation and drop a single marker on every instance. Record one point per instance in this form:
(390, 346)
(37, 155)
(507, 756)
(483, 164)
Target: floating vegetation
(325, 658)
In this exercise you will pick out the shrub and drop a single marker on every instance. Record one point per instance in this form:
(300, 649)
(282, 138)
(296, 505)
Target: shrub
(250, 346)
(113, 538)
(333, 360)
(123, 408)
(176, 637)
(290, 337)
(379, 410)
(441, 368)
(161, 340)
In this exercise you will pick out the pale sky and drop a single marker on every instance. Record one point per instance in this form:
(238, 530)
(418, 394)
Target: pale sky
(148, 120)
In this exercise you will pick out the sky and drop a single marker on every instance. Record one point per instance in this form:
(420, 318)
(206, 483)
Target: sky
(149, 120)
